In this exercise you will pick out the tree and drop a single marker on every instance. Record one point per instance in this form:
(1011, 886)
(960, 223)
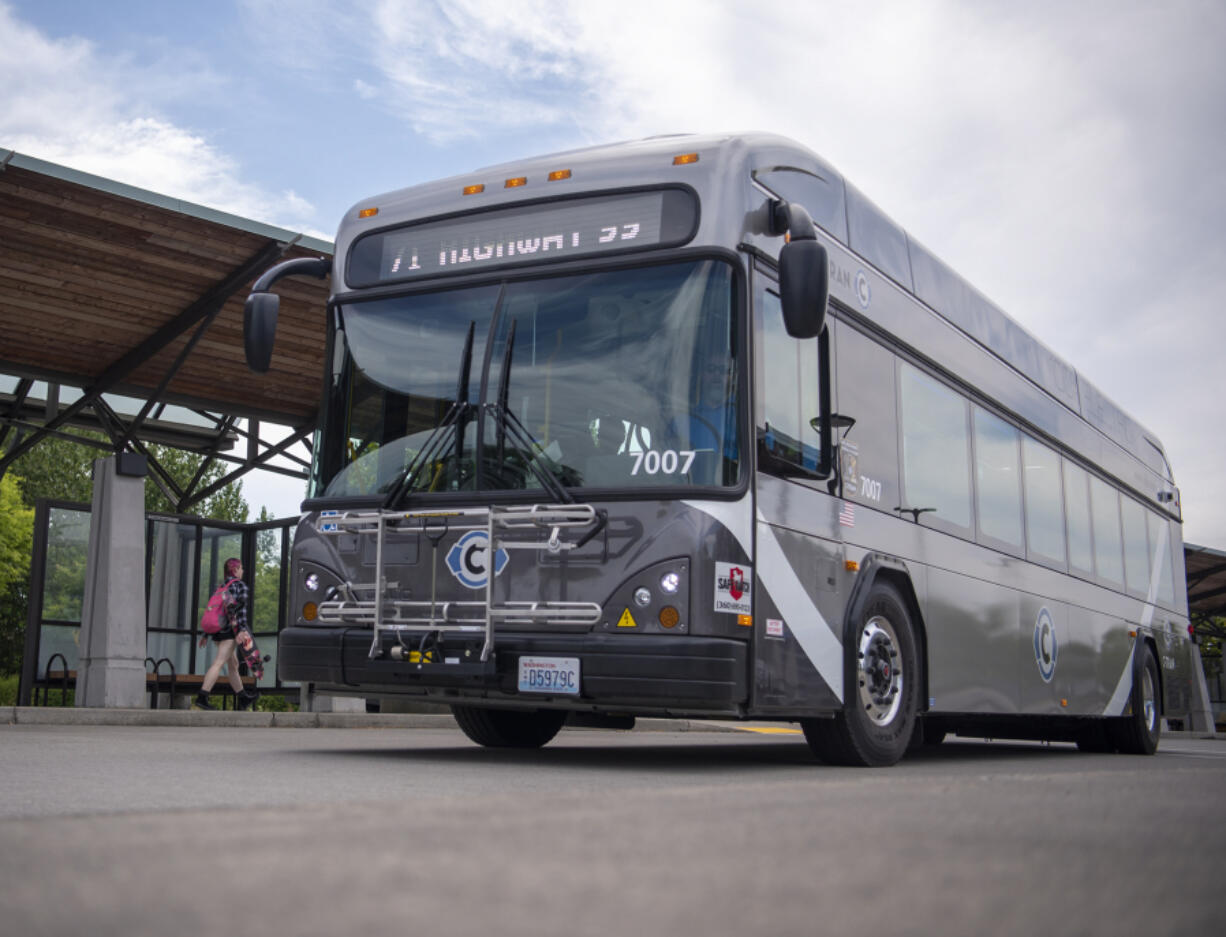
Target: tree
(16, 538)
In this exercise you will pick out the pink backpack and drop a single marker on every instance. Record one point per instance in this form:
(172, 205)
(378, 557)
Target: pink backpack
(216, 613)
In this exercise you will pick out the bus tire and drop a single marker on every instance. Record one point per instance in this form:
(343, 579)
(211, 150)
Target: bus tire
(881, 688)
(1138, 733)
(509, 728)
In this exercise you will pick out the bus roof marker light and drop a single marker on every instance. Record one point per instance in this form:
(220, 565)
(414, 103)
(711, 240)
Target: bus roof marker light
(684, 159)
(368, 212)
(516, 182)
(558, 174)
(473, 189)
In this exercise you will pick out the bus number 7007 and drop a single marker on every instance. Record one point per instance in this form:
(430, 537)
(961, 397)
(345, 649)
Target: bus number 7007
(668, 462)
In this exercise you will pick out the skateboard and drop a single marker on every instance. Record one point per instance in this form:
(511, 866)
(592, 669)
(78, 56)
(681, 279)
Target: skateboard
(249, 652)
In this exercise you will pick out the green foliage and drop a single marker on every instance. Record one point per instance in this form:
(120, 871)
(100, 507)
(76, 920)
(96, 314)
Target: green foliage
(275, 703)
(8, 690)
(16, 533)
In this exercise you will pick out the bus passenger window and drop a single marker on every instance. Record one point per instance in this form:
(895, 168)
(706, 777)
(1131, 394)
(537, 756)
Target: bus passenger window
(997, 491)
(935, 450)
(1136, 547)
(1108, 547)
(1077, 509)
(1159, 529)
(1044, 506)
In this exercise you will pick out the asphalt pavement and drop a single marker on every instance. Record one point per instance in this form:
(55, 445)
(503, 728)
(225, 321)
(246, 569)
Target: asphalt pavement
(230, 823)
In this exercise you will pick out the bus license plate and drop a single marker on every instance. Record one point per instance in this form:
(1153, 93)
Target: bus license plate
(549, 675)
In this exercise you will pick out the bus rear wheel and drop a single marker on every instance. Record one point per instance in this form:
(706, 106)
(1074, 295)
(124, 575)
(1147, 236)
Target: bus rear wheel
(509, 728)
(881, 688)
(1139, 732)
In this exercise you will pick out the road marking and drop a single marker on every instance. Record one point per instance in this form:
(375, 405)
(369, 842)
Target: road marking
(769, 730)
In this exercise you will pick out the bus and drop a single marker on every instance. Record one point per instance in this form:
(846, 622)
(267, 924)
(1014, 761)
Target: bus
(688, 427)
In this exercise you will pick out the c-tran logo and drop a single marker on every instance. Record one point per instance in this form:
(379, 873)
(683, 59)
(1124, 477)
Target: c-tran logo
(1046, 646)
(468, 559)
(864, 290)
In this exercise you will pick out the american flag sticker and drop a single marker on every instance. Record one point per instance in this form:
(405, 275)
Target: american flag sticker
(847, 516)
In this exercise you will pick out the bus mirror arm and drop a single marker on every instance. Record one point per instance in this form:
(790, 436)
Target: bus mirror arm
(262, 305)
(804, 271)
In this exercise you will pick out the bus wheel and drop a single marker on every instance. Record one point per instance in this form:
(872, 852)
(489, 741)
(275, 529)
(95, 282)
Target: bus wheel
(1138, 733)
(881, 688)
(509, 728)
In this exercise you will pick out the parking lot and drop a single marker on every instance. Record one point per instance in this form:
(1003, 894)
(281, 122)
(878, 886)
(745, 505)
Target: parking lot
(148, 829)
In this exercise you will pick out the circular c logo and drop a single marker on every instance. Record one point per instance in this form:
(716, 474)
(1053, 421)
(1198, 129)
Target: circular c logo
(468, 559)
(864, 290)
(1046, 647)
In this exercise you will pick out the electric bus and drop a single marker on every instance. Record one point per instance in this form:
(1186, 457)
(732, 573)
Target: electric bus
(689, 427)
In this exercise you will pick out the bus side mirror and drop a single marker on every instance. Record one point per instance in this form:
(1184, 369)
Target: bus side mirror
(259, 329)
(804, 270)
(804, 287)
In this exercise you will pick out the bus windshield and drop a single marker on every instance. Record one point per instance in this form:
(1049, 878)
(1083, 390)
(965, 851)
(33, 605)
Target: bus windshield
(624, 379)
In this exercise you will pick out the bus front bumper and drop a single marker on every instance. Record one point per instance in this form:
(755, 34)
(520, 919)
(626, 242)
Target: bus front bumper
(644, 673)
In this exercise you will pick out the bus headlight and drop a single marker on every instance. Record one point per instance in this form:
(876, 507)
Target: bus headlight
(642, 596)
(670, 582)
(311, 582)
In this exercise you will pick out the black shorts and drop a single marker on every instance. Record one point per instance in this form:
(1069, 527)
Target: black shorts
(224, 635)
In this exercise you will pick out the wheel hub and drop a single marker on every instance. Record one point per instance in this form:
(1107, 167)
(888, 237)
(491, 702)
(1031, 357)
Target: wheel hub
(881, 677)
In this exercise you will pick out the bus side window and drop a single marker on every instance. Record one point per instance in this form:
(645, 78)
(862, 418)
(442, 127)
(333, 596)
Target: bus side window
(868, 452)
(1136, 547)
(790, 393)
(1108, 545)
(1164, 554)
(1044, 504)
(935, 451)
(998, 494)
(1077, 510)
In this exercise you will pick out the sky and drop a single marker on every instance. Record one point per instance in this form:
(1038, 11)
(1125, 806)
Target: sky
(1066, 158)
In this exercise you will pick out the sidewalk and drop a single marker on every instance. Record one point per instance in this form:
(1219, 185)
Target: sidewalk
(73, 716)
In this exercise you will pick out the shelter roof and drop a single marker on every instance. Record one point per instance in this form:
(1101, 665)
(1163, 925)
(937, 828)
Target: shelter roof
(104, 286)
(1206, 575)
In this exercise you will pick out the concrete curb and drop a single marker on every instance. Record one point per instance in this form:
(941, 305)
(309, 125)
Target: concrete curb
(189, 718)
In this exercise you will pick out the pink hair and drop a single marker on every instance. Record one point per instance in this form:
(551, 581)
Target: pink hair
(232, 564)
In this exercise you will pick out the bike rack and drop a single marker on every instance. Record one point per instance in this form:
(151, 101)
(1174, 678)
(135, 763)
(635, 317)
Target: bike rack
(508, 527)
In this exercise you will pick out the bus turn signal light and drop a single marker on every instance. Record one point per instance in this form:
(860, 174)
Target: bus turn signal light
(851, 566)
(558, 174)
(745, 621)
(310, 611)
(684, 159)
(368, 212)
(516, 182)
(669, 617)
(473, 189)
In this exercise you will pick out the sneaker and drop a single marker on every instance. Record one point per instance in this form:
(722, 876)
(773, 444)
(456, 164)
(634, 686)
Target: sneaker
(246, 699)
(202, 702)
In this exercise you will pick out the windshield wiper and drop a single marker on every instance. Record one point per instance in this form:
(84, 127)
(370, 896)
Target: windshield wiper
(453, 422)
(508, 424)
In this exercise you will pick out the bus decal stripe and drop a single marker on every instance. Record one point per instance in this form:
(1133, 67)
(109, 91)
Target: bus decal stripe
(804, 620)
(1123, 689)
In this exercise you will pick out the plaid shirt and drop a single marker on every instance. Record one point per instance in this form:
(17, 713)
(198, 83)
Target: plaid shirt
(237, 605)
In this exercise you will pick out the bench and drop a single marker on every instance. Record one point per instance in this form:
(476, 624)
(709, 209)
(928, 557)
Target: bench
(156, 683)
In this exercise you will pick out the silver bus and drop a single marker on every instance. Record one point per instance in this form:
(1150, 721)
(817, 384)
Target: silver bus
(689, 427)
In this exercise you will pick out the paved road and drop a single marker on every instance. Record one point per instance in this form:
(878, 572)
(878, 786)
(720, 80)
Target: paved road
(147, 830)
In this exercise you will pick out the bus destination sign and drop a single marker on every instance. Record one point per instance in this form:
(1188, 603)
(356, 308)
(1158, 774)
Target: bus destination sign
(532, 234)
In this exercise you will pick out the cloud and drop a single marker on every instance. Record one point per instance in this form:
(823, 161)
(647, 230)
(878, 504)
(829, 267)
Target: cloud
(68, 103)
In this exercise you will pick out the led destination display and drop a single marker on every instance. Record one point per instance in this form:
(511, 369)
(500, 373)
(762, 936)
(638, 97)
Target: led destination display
(523, 235)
